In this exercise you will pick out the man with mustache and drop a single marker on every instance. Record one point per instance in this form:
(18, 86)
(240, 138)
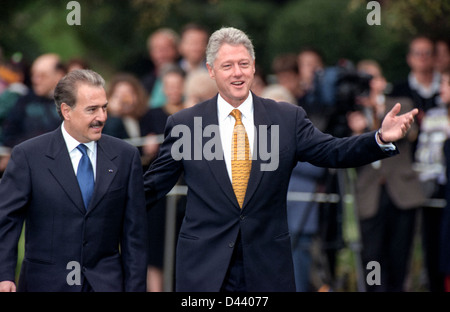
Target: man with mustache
(81, 196)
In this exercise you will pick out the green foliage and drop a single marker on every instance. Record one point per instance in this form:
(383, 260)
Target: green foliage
(339, 30)
(112, 34)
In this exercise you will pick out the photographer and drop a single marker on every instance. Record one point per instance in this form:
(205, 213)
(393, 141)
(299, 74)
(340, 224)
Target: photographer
(387, 192)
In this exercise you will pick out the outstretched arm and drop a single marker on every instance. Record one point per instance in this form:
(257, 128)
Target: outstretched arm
(395, 127)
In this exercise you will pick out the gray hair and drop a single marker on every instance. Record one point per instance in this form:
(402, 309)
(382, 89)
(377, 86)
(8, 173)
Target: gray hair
(229, 35)
(67, 87)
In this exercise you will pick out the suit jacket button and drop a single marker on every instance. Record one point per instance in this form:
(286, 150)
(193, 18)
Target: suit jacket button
(231, 244)
(242, 217)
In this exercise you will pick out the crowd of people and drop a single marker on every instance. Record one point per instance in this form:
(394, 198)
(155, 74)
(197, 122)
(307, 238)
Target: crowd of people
(391, 195)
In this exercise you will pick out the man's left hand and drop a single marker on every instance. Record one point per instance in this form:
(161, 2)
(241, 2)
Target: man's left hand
(395, 127)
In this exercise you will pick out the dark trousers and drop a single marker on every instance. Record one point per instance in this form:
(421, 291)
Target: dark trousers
(431, 226)
(235, 278)
(387, 238)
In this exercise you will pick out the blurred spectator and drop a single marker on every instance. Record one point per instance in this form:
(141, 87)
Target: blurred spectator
(278, 93)
(442, 60)
(198, 87)
(430, 161)
(3, 80)
(387, 193)
(445, 225)
(127, 105)
(310, 61)
(17, 72)
(317, 97)
(422, 84)
(303, 216)
(10, 73)
(16, 88)
(162, 46)
(192, 47)
(285, 68)
(34, 113)
(77, 63)
(259, 82)
(373, 105)
(173, 78)
(310, 67)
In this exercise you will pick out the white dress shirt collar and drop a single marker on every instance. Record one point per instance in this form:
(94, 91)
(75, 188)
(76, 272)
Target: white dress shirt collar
(72, 143)
(224, 108)
(226, 126)
(75, 154)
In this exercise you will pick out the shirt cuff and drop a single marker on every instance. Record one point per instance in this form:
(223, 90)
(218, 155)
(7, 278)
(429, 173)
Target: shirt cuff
(385, 147)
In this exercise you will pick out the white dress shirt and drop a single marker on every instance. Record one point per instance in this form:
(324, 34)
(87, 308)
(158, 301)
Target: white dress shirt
(226, 126)
(75, 154)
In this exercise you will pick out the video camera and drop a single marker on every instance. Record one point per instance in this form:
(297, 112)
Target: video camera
(338, 88)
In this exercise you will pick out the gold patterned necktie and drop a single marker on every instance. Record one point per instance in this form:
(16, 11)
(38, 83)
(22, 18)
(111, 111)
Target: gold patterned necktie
(241, 161)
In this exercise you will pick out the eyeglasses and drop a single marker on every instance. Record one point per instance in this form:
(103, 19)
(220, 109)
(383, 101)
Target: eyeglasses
(418, 53)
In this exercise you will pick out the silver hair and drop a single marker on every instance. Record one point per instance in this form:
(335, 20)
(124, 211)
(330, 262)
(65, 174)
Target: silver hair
(228, 35)
(67, 87)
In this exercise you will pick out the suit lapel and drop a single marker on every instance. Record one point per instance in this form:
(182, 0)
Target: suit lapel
(260, 118)
(62, 169)
(105, 172)
(217, 166)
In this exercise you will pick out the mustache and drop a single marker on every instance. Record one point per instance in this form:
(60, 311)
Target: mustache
(97, 124)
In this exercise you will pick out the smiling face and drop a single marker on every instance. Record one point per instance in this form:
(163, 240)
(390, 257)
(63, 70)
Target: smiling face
(233, 70)
(85, 121)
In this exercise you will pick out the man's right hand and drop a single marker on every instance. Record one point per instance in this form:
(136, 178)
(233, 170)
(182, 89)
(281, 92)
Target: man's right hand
(7, 286)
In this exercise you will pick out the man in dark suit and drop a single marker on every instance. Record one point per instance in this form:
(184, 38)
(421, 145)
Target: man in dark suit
(80, 235)
(234, 242)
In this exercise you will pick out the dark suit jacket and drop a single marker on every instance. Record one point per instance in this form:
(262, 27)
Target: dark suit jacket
(108, 241)
(213, 218)
(444, 256)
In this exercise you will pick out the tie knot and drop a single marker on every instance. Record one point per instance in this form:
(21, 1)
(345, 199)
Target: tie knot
(236, 114)
(82, 148)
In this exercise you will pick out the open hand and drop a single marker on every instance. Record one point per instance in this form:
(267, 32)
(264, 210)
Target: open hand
(395, 127)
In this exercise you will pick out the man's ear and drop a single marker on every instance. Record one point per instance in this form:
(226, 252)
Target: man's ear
(65, 111)
(211, 71)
